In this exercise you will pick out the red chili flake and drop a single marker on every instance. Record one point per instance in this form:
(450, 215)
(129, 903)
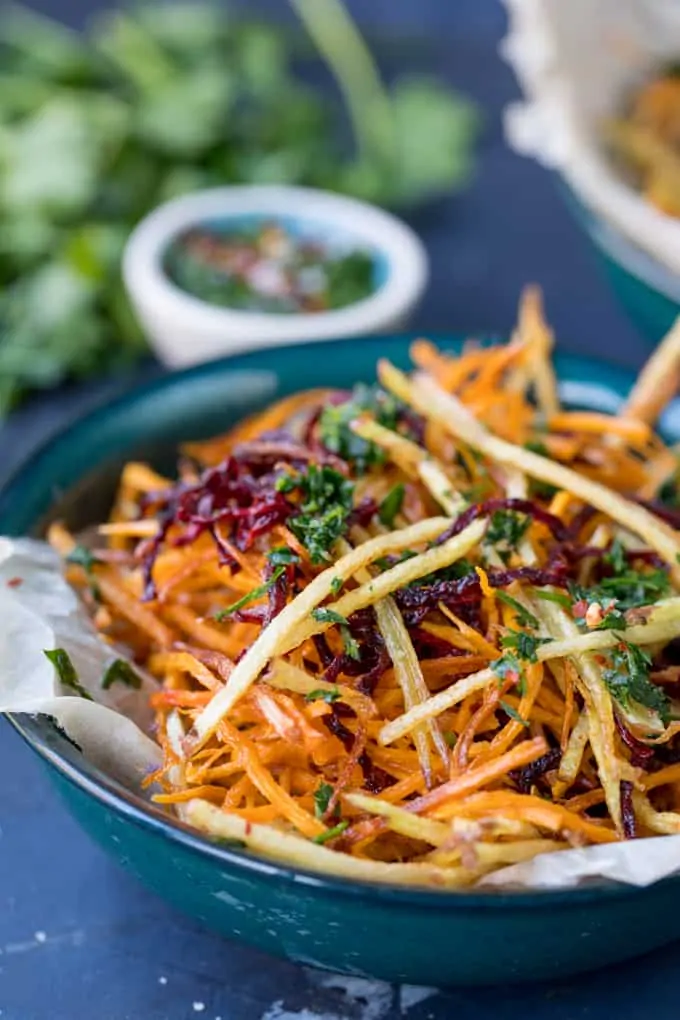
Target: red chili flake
(15, 582)
(249, 828)
(579, 609)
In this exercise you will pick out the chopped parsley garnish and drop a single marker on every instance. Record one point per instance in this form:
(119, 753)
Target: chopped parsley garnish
(282, 556)
(506, 665)
(120, 671)
(322, 515)
(616, 557)
(335, 421)
(324, 615)
(525, 645)
(513, 713)
(450, 738)
(524, 617)
(628, 589)
(321, 694)
(66, 671)
(627, 681)
(391, 504)
(83, 557)
(336, 585)
(250, 596)
(322, 798)
(333, 833)
(553, 596)
(505, 531)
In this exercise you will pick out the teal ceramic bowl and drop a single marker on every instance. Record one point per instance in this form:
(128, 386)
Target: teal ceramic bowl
(398, 934)
(648, 291)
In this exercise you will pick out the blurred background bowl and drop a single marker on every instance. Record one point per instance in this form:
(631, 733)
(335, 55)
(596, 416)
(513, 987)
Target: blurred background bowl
(648, 291)
(184, 330)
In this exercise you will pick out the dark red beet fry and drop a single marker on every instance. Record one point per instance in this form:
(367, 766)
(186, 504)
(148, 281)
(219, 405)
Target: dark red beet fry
(627, 812)
(640, 754)
(527, 776)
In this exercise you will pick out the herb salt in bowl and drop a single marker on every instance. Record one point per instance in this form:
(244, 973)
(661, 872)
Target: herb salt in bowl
(229, 269)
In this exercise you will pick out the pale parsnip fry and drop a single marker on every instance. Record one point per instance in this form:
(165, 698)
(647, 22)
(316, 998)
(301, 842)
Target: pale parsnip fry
(390, 580)
(665, 627)
(431, 401)
(275, 639)
(271, 842)
(414, 458)
(534, 331)
(658, 381)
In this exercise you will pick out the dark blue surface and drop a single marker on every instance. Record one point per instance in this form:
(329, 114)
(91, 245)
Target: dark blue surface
(103, 944)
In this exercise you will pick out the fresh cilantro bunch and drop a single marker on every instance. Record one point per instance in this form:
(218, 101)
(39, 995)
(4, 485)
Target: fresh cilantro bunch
(325, 506)
(161, 98)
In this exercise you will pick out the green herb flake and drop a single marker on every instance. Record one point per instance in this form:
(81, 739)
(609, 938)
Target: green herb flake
(330, 834)
(66, 671)
(336, 585)
(120, 671)
(250, 596)
(391, 504)
(513, 713)
(282, 556)
(324, 510)
(506, 666)
(450, 738)
(553, 596)
(324, 694)
(627, 680)
(83, 557)
(336, 432)
(525, 645)
(323, 615)
(350, 644)
(506, 529)
(322, 798)
(524, 617)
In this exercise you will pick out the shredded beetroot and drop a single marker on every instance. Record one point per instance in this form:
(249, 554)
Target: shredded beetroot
(277, 596)
(429, 646)
(375, 779)
(526, 777)
(363, 512)
(640, 754)
(579, 522)
(468, 589)
(664, 513)
(627, 813)
(492, 506)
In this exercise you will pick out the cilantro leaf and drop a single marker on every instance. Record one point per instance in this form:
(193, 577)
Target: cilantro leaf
(323, 615)
(513, 713)
(321, 694)
(66, 671)
(627, 680)
(251, 596)
(322, 798)
(282, 556)
(557, 597)
(391, 504)
(329, 834)
(525, 645)
(335, 425)
(505, 530)
(524, 617)
(324, 511)
(336, 585)
(506, 666)
(120, 671)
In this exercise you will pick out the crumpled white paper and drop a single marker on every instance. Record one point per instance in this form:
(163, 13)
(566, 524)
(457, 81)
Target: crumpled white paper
(44, 613)
(40, 611)
(575, 62)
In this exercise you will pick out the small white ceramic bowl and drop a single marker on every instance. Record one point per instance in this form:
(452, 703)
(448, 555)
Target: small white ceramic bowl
(183, 329)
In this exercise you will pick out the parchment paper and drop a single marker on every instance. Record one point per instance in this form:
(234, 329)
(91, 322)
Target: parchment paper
(575, 60)
(42, 612)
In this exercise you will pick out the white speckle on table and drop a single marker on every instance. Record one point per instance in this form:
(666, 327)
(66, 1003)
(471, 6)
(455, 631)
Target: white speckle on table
(162, 980)
(40, 936)
(199, 1007)
(411, 995)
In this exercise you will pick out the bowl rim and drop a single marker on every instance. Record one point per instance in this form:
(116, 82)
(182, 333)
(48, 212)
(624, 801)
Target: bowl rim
(391, 240)
(134, 808)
